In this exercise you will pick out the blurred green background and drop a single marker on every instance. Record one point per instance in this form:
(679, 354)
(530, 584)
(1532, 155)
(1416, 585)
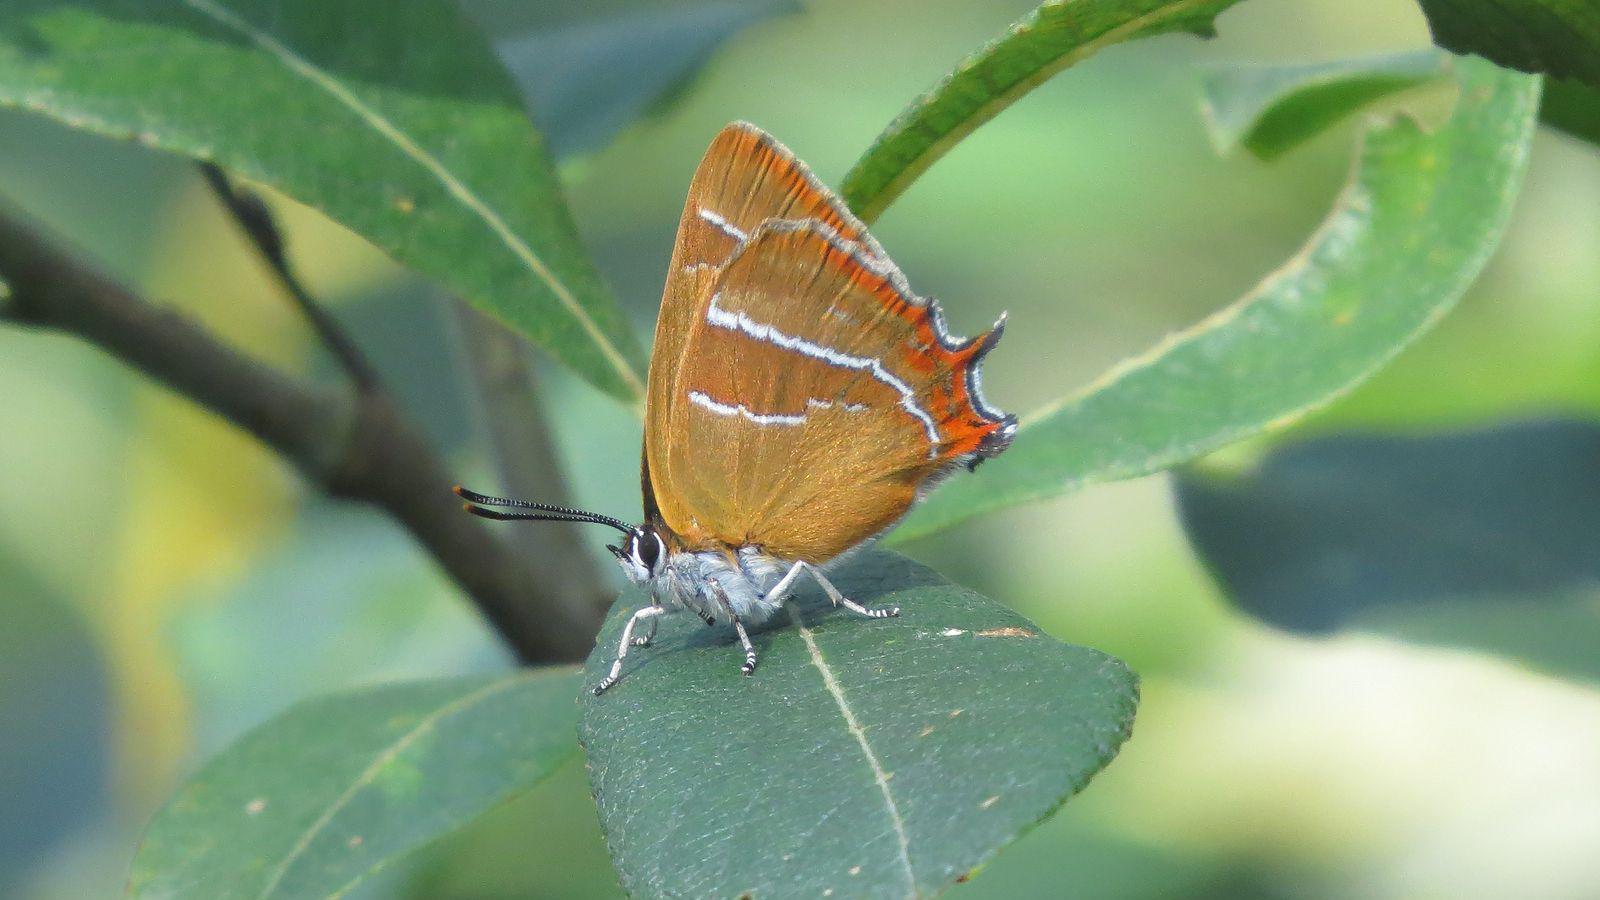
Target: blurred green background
(166, 583)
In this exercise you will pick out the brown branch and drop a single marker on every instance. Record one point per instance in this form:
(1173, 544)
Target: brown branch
(525, 457)
(255, 219)
(353, 445)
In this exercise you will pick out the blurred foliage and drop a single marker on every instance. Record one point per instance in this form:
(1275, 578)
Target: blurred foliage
(1412, 228)
(1558, 37)
(1270, 110)
(53, 695)
(1368, 530)
(1572, 107)
(1038, 46)
(590, 69)
(1265, 766)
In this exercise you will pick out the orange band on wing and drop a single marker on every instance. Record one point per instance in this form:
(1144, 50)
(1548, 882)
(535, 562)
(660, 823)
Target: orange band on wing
(873, 313)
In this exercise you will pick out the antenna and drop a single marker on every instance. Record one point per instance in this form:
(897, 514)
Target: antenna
(544, 512)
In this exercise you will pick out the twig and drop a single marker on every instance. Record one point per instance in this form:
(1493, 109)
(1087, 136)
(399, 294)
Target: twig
(525, 456)
(253, 216)
(354, 445)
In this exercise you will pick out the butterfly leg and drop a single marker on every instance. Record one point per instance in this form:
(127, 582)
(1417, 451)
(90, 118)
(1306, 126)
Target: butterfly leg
(649, 612)
(749, 648)
(645, 639)
(738, 626)
(871, 612)
(774, 596)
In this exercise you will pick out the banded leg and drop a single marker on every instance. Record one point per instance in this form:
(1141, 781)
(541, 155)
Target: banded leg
(871, 612)
(744, 636)
(649, 612)
(749, 648)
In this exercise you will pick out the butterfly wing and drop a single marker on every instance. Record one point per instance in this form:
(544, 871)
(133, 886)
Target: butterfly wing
(745, 178)
(816, 397)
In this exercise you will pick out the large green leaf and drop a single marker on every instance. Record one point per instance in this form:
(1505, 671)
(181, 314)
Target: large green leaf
(1411, 230)
(1551, 37)
(394, 119)
(1271, 109)
(1487, 538)
(313, 801)
(863, 758)
(1053, 37)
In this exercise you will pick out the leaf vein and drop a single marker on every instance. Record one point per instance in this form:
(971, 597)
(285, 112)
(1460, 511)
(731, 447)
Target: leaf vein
(424, 725)
(453, 185)
(860, 734)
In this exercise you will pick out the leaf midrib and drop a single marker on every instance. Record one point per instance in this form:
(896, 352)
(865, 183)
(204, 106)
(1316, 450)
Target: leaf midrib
(913, 169)
(454, 186)
(879, 776)
(369, 774)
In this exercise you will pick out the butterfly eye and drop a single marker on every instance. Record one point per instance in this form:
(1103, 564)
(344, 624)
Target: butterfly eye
(646, 548)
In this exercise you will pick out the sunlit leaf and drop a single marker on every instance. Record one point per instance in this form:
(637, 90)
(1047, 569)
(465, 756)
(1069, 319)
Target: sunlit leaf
(1054, 36)
(1411, 230)
(1271, 109)
(863, 757)
(1551, 37)
(394, 119)
(311, 802)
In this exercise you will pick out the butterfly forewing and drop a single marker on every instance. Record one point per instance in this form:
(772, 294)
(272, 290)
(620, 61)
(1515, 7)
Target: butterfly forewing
(814, 397)
(745, 178)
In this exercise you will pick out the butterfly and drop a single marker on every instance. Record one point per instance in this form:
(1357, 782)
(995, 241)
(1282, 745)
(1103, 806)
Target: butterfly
(801, 400)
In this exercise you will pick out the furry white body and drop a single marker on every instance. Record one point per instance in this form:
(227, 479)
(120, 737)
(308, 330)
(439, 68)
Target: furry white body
(747, 590)
(706, 582)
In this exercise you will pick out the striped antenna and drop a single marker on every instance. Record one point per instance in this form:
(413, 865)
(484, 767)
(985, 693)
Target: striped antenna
(544, 512)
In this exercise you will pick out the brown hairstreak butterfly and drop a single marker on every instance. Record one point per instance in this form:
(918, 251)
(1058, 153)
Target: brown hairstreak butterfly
(801, 400)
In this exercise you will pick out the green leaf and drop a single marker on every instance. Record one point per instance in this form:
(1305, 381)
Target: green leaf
(1573, 107)
(313, 801)
(863, 757)
(1487, 538)
(1271, 109)
(590, 69)
(1552, 37)
(1053, 37)
(394, 119)
(1418, 219)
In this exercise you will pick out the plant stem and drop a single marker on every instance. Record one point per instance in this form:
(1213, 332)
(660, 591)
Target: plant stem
(525, 457)
(352, 445)
(255, 219)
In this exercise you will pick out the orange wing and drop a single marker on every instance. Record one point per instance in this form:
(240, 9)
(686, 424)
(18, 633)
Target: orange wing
(745, 178)
(813, 400)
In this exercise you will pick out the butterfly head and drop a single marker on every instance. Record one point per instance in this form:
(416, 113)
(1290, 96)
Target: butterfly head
(643, 554)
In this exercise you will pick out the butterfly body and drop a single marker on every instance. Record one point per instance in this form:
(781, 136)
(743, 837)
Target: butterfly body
(801, 399)
(724, 584)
